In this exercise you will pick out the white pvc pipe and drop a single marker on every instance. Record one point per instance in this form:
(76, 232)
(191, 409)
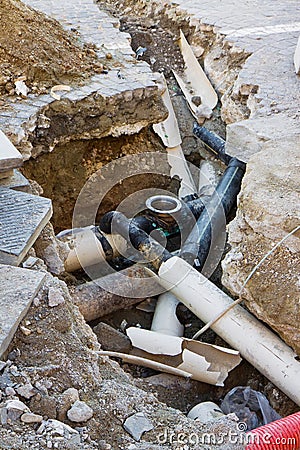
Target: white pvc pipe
(88, 250)
(257, 344)
(165, 320)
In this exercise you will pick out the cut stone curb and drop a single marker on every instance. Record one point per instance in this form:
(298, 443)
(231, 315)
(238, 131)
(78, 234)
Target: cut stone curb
(16, 181)
(10, 158)
(22, 218)
(18, 289)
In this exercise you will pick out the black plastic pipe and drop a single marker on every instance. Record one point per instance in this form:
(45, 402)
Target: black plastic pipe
(213, 142)
(212, 220)
(140, 240)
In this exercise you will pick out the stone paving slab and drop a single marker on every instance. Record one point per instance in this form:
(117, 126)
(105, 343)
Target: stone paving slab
(10, 158)
(22, 218)
(16, 181)
(18, 289)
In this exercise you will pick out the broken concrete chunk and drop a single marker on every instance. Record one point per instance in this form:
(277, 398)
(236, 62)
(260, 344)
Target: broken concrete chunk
(18, 289)
(111, 339)
(31, 418)
(57, 428)
(80, 412)
(26, 391)
(10, 158)
(15, 408)
(137, 424)
(52, 250)
(55, 297)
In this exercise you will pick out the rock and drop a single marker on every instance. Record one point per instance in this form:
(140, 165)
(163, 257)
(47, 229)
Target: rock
(80, 412)
(26, 391)
(58, 428)
(10, 392)
(268, 210)
(52, 251)
(55, 297)
(112, 339)
(31, 418)
(15, 408)
(67, 399)
(137, 424)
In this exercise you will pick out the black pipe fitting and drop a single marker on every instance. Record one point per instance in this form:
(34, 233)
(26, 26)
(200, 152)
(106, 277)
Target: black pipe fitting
(213, 142)
(140, 240)
(212, 221)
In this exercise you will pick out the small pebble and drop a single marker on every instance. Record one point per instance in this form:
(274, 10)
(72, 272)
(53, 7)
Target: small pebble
(31, 418)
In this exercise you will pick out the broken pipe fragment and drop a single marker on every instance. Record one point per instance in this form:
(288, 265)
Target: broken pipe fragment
(204, 362)
(169, 133)
(196, 87)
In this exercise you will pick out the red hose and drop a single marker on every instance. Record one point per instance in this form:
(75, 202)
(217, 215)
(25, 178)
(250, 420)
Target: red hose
(283, 434)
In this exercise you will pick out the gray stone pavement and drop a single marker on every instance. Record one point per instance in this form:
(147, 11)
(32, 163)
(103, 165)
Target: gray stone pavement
(127, 78)
(269, 31)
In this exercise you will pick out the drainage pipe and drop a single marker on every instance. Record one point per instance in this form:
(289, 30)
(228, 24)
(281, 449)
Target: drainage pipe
(212, 221)
(165, 320)
(213, 142)
(91, 247)
(283, 434)
(256, 343)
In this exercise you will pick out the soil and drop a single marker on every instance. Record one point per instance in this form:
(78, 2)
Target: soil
(37, 50)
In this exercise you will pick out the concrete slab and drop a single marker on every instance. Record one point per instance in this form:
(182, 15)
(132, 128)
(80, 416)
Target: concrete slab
(18, 289)
(16, 181)
(22, 218)
(10, 158)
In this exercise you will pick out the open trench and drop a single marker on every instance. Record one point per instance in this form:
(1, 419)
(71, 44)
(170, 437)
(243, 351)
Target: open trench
(63, 173)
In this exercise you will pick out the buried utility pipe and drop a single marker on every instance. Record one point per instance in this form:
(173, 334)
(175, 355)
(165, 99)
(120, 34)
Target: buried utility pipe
(165, 320)
(92, 247)
(213, 142)
(212, 221)
(257, 344)
(95, 299)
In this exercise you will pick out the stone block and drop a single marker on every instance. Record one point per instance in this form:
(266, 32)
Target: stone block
(16, 181)
(10, 158)
(22, 218)
(18, 289)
